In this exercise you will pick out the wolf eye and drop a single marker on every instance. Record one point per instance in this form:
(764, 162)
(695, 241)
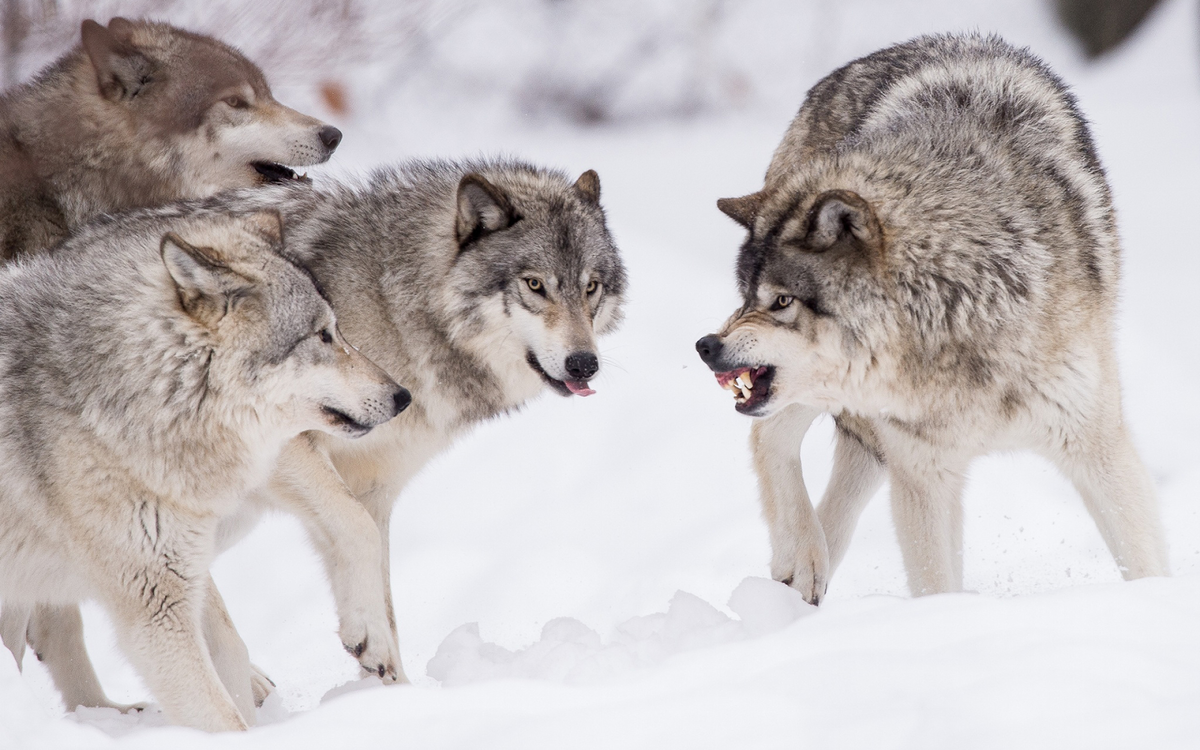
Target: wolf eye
(592, 286)
(782, 301)
(236, 102)
(536, 285)
(326, 336)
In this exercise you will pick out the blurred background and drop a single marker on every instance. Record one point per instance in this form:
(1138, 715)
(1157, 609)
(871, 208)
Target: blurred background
(583, 62)
(601, 509)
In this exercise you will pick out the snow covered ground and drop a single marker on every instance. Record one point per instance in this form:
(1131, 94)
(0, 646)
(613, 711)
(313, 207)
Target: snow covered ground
(590, 573)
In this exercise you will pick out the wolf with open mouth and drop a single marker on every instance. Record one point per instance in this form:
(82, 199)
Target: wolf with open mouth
(139, 114)
(934, 260)
(482, 285)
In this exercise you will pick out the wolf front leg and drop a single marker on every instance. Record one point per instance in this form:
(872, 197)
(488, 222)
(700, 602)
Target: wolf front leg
(157, 609)
(229, 655)
(348, 540)
(799, 556)
(927, 512)
(858, 472)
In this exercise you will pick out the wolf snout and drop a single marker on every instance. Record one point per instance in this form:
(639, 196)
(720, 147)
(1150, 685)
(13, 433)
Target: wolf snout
(582, 366)
(709, 348)
(330, 137)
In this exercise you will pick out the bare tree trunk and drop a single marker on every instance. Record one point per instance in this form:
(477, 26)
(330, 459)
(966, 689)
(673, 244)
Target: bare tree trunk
(15, 28)
(1101, 25)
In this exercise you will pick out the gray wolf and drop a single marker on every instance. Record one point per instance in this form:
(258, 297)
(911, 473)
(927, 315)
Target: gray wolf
(489, 282)
(152, 369)
(934, 260)
(479, 285)
(137, 115)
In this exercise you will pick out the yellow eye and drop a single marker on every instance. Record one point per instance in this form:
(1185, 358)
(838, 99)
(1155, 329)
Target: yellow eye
(535, 285)
(783, 301)
(592, 286)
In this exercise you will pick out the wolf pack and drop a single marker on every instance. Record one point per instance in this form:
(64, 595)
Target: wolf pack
(195, 334)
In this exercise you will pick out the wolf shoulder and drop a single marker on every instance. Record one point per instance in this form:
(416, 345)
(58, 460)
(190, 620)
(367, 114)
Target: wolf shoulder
(955, 84)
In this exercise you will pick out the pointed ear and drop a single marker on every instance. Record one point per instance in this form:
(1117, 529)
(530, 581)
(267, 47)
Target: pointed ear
(743, 210)
(204, 284)
(121, 70)
(841, 216)
(267, 224)
(588, 186)
(483, 208)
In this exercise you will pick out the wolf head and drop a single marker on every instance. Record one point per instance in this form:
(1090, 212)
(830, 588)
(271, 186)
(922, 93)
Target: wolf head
(199, 106)
(536, 272)
(813, 277)
(272, 338)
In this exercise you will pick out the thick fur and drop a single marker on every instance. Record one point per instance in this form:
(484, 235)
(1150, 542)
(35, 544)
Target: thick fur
(151, 370)
(137, 115)
(934, 260)
(429, 266)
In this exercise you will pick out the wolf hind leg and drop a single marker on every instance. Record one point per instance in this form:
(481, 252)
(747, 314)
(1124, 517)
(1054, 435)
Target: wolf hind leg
(927, 512)
(1119, 494)
(56, 635)
(799, 556)
(14, 624)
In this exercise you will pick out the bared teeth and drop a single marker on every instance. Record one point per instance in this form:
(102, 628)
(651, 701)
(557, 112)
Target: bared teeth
(741, 387)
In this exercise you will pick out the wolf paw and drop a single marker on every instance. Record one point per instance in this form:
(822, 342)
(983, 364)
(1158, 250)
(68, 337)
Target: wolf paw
(807, 571)
(260, 685)
(377, 654)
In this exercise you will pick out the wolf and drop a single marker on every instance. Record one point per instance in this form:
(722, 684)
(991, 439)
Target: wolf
(479, 285)
(934, 260)
(137, 115)
(152, 369)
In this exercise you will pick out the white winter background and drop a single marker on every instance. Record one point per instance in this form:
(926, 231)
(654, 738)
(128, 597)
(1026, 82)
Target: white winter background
(593, 572)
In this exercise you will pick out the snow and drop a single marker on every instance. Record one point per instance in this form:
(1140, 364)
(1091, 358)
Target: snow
(592, 572)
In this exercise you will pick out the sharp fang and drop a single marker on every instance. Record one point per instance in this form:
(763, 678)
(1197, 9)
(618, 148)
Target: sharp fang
(744, 381)
(745, 392)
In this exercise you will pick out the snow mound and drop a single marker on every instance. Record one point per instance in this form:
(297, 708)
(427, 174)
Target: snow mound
(571, 652)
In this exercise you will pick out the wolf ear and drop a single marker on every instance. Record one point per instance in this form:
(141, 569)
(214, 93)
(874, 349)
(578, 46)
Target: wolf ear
(482, 209)
(204, 284)
(743, 210)
(588, 186)
(121, 70)
(267, 224)
(839, 216)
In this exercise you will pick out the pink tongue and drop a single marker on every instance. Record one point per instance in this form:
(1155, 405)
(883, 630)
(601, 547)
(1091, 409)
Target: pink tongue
(579, 389)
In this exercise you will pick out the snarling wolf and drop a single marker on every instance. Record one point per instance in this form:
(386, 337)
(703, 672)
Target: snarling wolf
(137, 115)
(478, 285)
(151, 371)
(934, 260)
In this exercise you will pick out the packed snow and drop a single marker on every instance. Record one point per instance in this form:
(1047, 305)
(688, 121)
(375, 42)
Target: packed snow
(593, 572)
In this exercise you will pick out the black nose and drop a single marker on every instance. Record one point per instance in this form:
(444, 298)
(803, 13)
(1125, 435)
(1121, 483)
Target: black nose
(582, 365)
(330, 136)
(401, 399)
(710, 348)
